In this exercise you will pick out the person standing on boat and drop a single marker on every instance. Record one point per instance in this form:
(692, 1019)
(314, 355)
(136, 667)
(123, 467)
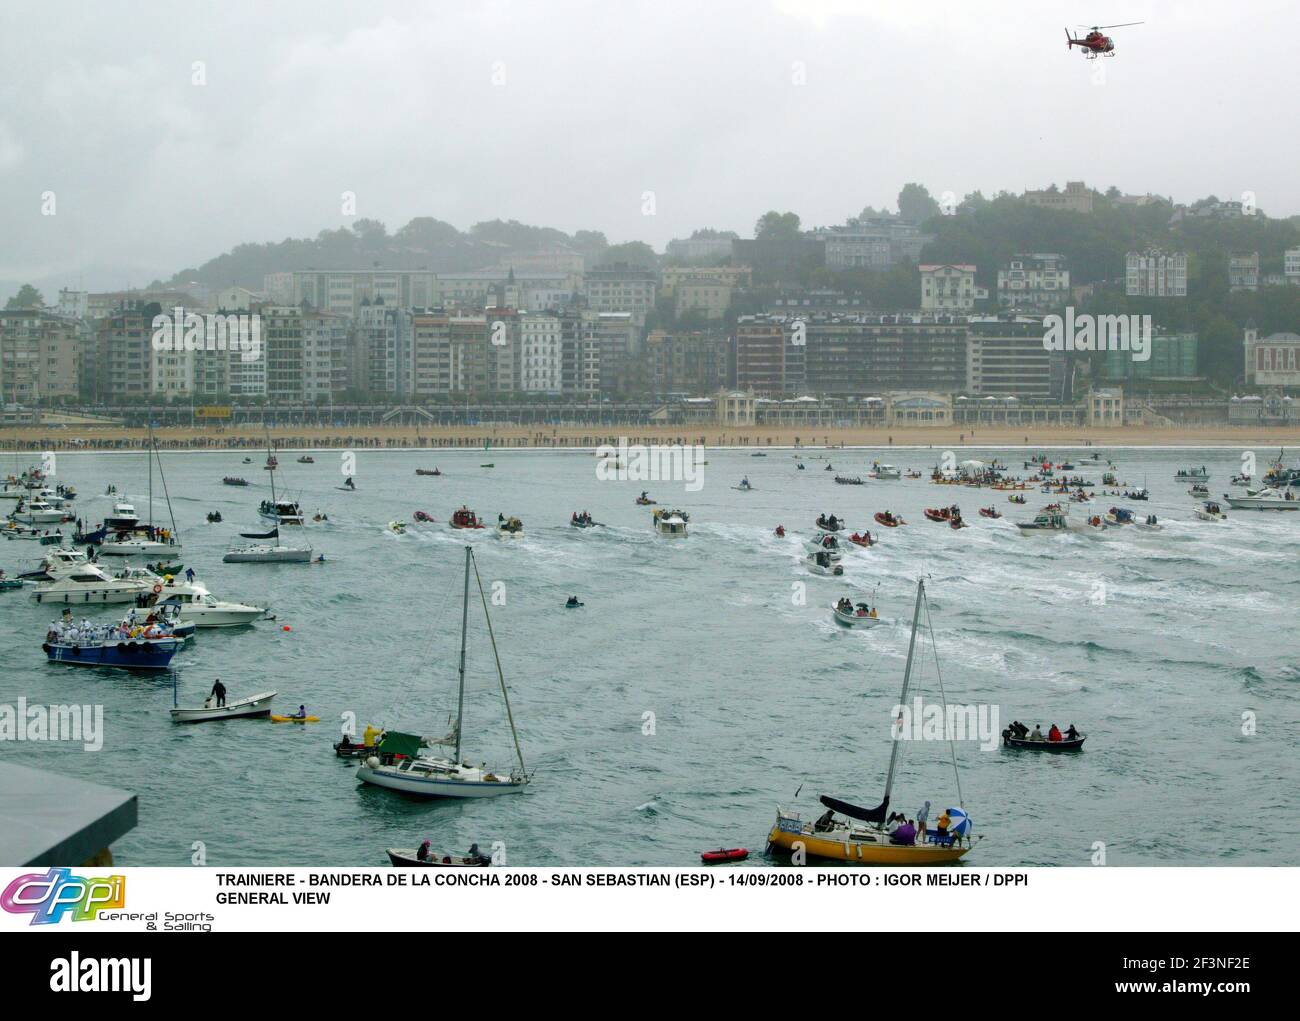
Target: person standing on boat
(189, 575)
(219, 693)
(922, 817)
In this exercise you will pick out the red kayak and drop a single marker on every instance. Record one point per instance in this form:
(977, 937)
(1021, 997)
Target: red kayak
(888, 522)
(724, 854)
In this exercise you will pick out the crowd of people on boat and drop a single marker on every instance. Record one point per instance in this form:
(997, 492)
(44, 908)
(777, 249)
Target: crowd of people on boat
(845, 605)
(829, 521)
(68, 631)
(1021, 732)
(581, 518)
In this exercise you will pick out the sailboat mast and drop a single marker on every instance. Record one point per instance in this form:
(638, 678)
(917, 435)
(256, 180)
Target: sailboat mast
(907, 680)
(464, 627)
(163, 478)
(150, 460)
(501, 677)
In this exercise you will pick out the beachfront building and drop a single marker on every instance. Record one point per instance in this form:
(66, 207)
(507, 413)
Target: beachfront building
(1155, 274)
(685, 363)
(123, 355)
(1038, 280)
(770, 354)
(1005, 356)
(40, 356)
(947, 288)
(541, 336)
(1272, 361)
(1106, 407)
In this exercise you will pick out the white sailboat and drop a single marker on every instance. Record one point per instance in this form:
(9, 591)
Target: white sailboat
(404, 762)
(145, 540)
(262, 551)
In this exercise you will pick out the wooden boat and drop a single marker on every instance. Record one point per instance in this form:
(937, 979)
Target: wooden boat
(724, 854)
(254, 705)
(409, 857)
(427, 471)
(230, 480)
(306, 459)
(866, 841)
(845, 480)
(888, 520)
(1009, 741)
(860, 616)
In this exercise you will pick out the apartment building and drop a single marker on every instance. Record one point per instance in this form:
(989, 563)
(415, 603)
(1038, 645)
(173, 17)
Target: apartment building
(40, 356)
(1155, 274)
(871, 243)
(769, 355)
(1243, 271)
(1038, 280)
(346, 292)
(692, 363)
(1005, 357)
(947, 288)
(622, 287)
(541, 338)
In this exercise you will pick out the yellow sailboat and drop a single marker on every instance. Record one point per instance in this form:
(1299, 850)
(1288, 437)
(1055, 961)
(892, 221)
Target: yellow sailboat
(861, 837)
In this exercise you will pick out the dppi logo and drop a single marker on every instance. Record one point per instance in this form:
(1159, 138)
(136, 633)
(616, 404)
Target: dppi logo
(49, 897)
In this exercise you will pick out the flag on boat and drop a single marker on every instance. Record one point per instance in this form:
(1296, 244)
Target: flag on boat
(959, 822)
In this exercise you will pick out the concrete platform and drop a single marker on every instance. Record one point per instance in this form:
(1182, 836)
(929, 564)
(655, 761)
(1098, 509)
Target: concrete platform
(48, 819)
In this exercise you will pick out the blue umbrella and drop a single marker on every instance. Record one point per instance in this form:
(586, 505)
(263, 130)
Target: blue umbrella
(959, 822)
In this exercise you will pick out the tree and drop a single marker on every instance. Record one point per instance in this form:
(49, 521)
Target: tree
(774, 226)
(635, 253)
(915, 203)
(27, 297)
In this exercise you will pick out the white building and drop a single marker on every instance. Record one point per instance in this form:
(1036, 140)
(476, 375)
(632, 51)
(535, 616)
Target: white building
(622, 287)
(542, 352)
(1155, 274)
(1243, 272)
(1035, 280)
(948, 288)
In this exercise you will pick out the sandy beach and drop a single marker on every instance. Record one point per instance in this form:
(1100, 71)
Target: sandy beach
(580, 437)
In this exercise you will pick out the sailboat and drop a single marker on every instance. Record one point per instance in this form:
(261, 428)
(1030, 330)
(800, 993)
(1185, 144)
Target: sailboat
(145, 540)
(404, 762)
(866, 841)
(265, 551)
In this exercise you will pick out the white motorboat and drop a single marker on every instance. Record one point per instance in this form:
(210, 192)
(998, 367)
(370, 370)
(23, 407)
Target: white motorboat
(405, 763)
(1210, 511)
(254, 705)
(282, 512)
(1048, 521)
(262, 553)
(824, 542)
(825, 563)
(885, 472)
(123, 516)
(39, 512)
(1199, 490)
(510, 528)
(1265, 499)
(57, 561)
(203, 609)
(860, 615)
(669, 522)
(86, 583)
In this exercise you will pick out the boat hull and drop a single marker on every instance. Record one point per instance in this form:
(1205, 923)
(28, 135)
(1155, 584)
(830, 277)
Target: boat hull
(139, 549)
(256, 705)
(1074, 745)
(436, 787)
(274, 556)
(88, 596)
(861, 852)
(155, 655)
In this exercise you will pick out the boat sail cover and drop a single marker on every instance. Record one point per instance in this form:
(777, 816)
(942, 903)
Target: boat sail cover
(876, 814)
(274, 533)
(396, 743)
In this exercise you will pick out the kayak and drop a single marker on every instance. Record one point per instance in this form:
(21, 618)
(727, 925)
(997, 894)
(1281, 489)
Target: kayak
(294, 719)
(724, 854)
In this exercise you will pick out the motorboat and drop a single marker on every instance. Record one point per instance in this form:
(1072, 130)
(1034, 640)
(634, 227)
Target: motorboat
(509, 528)
(123, 516)
(1048, 521)
(282, 512)
(862, 539)
(205, 610)
(306, 459)
(1137, 494)
(253, 705)
(1265, 499)
(669, 522)
(111, 646)
(1149, 524)
(13, 530)
(263, 553)
(885, 472)
(1210, 511)
(407, 763)
(39, 512)
(888, 519)
(81, 583)
(828, 541)
(744, 486)
(423, 516)
(943, 514)
(1199, 490)
(830, 523)
(860, 615)
(584, 520)
(165, 615)
(825, 563)
(465, 518)
(1118, 516)
(1192, 475)
(1075, 744)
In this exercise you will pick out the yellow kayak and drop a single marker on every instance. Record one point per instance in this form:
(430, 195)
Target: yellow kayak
(294, 719)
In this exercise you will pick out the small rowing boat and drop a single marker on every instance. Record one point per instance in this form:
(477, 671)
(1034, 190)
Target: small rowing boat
(1043, 745)
(254, 705)
(409, 857)
(427, 471)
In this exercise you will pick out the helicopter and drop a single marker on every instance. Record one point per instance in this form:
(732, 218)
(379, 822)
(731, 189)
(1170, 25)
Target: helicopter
(1095, 43)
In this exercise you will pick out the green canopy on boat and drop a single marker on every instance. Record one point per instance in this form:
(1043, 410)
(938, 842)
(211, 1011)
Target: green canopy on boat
(396, 743)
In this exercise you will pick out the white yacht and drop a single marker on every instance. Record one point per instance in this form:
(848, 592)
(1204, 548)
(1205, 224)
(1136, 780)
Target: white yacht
(39, 512)
(123, 516)
(199, 606)
(1265, 499)
(87, 583)
(885, 471)
(140, 542)
(669, 522)
(262, 553)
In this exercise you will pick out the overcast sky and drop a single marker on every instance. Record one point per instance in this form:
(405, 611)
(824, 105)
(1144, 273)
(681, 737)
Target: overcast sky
(564, 113)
